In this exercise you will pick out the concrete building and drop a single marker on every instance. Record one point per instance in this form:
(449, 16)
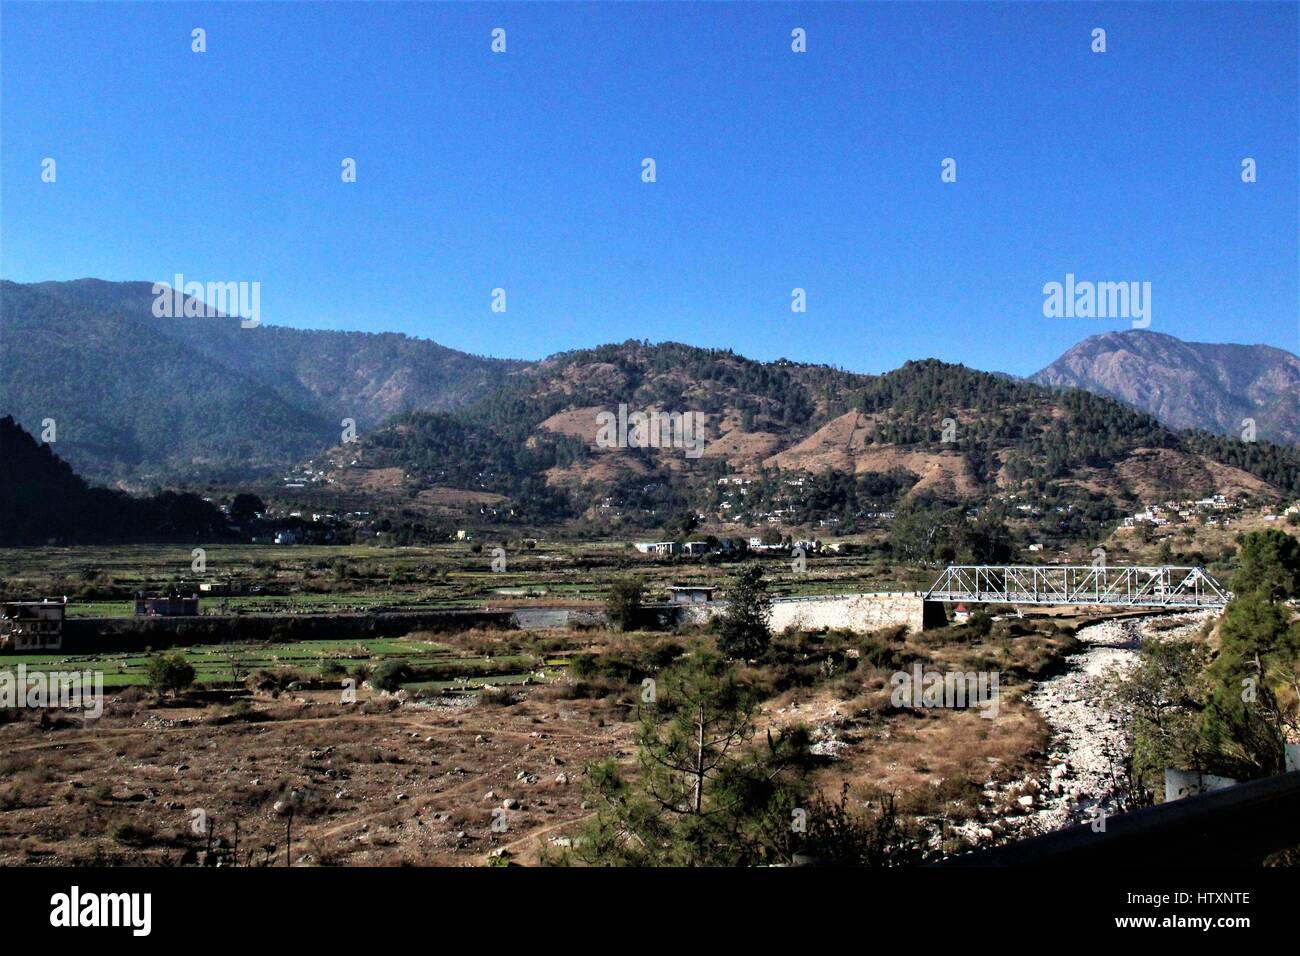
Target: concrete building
(32, 625)
(690, 594)
(658, 548)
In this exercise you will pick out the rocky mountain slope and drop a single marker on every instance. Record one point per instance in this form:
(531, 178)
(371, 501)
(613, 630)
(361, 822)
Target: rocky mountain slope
(1188, 384)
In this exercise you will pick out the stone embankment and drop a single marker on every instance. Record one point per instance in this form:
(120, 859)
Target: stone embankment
(856, 612)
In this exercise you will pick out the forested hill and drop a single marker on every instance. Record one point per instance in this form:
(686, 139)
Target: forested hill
(932, 429)
(136, 397)
(42, 500)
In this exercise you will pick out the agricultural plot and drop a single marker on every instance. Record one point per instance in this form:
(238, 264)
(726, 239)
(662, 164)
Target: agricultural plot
(432, 666)
(268, 579)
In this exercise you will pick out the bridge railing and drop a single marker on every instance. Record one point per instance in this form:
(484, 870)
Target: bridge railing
(1133, 586)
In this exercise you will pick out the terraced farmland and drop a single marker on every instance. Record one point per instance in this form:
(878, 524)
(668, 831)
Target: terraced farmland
(431, 665)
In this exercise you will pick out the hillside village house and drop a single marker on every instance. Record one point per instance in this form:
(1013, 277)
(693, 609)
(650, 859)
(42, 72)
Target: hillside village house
(658, 548)
(690, 594)
(32, 625)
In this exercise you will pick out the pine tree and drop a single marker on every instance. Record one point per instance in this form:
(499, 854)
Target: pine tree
(745, 627)
(705, 794)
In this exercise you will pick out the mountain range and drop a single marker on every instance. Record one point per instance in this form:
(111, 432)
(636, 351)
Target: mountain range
(138, 400)
(795, 442)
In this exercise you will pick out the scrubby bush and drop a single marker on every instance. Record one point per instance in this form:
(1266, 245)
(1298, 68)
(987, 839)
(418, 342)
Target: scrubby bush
(170, 673)
(623, 603)
(491, 696)
(389, 675)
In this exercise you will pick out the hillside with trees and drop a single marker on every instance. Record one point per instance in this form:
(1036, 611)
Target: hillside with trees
(42, 501)
(809, 442)
(136, 397)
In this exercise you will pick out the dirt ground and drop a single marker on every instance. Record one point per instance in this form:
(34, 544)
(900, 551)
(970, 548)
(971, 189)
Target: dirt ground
(371, 783)
(304, 778)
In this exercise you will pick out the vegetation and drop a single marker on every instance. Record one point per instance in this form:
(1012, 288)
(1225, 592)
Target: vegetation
(42, 499)
(1270, 565)
(1228, 713)
(744, 628)
(703, 796)
(170, 673)
(135, 395)
(389, 675)
(623, 605)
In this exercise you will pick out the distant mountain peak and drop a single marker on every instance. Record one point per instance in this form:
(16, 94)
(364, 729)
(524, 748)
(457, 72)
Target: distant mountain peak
(1215, 387)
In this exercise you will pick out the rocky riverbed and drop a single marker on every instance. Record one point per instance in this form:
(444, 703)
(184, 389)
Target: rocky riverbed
(1089, 732)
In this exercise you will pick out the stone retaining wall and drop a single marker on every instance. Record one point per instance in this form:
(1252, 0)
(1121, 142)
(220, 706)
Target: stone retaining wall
(854, 612)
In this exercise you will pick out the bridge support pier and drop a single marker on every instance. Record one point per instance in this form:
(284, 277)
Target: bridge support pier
(933, 614)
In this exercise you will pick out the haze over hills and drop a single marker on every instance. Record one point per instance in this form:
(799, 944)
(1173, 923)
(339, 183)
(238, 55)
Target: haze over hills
(1188, 384)
(134, 396)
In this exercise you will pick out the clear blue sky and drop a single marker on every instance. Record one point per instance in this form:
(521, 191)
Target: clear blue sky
(775, 170)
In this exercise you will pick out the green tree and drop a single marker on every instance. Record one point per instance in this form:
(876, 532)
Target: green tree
(170, 673)
(1251, 703)
(987, 538)
(704, 794)
(1270, 565)
(245, 507)
(389, 675)
(926, 534)
(745, 626)
(1165, 695)
(623, 603)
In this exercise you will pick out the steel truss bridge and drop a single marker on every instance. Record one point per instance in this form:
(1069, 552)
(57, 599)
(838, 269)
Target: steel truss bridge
(1079, 584)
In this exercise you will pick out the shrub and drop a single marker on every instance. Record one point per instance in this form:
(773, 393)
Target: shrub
(128, 833)
(170, 672)
(623, 604)
(389, 675)
(491, 696)
(582, 665)
(744, 629)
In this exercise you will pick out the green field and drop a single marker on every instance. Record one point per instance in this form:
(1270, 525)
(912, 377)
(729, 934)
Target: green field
(225, 663)
(102, 581)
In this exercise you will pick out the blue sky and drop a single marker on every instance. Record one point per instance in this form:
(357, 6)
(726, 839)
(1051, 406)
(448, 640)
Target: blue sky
(775, 170)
